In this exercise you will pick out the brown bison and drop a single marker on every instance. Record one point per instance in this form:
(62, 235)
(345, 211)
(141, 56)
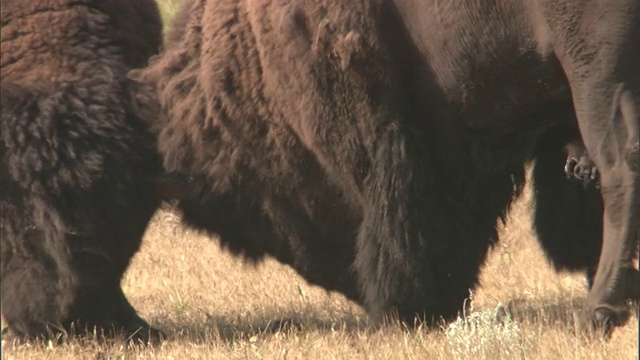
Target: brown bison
(76, 164)
(372, 145)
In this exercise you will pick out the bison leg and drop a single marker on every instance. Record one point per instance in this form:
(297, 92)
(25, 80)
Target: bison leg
(27, 306)
(615, 145)
(620, 184)
(51, 289)
(602, 70)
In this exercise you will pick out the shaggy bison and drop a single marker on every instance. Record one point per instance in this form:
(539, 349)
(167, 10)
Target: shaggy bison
(372, 145)
(77, 165)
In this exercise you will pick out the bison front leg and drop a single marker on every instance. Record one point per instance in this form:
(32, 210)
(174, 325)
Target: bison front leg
(600, 56)
(607, 106)
(614, 146)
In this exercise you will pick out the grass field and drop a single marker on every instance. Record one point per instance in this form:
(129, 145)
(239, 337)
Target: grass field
(214, 307)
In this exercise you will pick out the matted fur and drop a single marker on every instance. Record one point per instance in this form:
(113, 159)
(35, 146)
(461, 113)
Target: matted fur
(370, 170)
(76, 165)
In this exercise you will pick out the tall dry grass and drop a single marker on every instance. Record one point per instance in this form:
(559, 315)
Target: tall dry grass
(214, 307)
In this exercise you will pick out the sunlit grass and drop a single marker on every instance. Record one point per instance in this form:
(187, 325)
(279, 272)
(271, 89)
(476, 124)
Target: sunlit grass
(213, 306)
(168, 9)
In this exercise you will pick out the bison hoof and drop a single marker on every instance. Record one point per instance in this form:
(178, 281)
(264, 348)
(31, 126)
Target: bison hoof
(137, 330)
(147, 335)
(142, 334)
(582, 169)
(604, 320)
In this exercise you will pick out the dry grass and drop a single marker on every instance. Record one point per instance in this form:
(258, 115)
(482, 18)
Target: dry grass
(214, 307)
(168, 9)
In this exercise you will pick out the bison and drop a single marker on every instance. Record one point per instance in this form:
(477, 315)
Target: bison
(77, 166)
(372, 145)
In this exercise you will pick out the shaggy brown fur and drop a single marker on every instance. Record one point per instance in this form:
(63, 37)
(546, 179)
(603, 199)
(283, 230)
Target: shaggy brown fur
(76, 163)
(382, 137)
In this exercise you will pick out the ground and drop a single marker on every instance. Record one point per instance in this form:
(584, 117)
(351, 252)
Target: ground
(214, 307)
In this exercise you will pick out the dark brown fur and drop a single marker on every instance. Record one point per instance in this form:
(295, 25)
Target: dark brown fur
(76, 163)
(568, 212)
(384, 138)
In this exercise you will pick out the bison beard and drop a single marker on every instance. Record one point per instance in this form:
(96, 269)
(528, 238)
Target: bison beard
(76, 163)
(374, 156)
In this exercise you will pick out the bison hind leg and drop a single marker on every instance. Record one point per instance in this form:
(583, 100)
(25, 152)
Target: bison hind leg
(30, 295)
(42, 300)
